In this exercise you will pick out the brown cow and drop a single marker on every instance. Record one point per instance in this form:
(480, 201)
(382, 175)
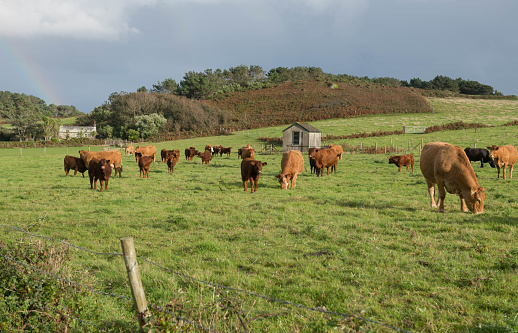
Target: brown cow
(291, 165)
(144, 162)
(206, 156)
(403, 160)
(74, 163)
(448, 166)
(209, 147)
(247, 153)
(99, 170)
(240, 150)
(164, 153)
(217, 150)
(129, 150)
(224, 150)
(190, 153)
(324, 158)
(171, 162)
(114, 156)
(146, 151)
(338, 149)
(251, 170)
(504, 156)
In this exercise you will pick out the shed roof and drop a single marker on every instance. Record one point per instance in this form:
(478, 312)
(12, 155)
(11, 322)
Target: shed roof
(305, 126)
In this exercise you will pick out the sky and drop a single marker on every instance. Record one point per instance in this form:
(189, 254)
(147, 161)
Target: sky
(78, 52)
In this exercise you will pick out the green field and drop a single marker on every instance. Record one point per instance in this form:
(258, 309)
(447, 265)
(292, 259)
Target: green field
(363, 242)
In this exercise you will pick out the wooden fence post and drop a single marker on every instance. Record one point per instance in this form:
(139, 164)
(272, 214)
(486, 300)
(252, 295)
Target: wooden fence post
(137, 290)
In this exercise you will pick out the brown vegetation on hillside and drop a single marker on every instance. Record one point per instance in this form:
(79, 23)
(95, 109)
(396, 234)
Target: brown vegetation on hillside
(316, 100)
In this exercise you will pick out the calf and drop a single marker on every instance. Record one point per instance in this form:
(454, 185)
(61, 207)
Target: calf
(480, 154)
(129, 150)
(247, 153)
(171, 162)
(206, 157)
(251, 171)
(504, 156)
(217, 150)
(190, 153)
(403, 160)
(99, 170)
(223, 150)
(338, 149)
(324, 158)
(291, 165)
(146, 151)
(74, 163)
(312, 164)
(144, 162)
(164, 153)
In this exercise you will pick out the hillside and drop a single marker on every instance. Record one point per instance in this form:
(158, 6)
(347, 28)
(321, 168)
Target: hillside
(316, 100)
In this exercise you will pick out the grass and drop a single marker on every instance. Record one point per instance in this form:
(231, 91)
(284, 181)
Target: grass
(363, 242)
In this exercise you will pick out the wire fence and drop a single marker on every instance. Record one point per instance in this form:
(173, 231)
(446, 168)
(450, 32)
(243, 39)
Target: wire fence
(160, 308)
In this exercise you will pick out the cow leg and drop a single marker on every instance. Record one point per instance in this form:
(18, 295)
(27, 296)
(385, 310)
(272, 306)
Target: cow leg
(463, 207)
(75, 172)
(431, 192)
(498, 169)
(481, 163)
(511, 171)
(441, 196)
(106, 185)
(245, 184)
(412, 167)
(101, 183)
(91, 181)
(399, 168)
(294, 181)
(503, 170)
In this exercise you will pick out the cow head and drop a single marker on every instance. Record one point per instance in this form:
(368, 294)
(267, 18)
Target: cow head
(475, 202)
(283, 180)
(258, 167)
(393, 160)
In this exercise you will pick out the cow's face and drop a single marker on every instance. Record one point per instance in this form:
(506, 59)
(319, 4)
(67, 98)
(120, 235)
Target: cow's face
(258, 167)
(283, 181)
(392, 160)
(476, 201)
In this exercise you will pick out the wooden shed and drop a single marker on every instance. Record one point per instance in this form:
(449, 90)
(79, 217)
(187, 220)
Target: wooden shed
(301, 136)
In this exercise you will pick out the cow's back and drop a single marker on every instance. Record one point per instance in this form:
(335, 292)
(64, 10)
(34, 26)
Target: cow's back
(445, 161)
(292, 162)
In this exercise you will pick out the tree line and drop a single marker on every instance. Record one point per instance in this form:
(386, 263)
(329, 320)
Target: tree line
(171, 107)
(30, 118)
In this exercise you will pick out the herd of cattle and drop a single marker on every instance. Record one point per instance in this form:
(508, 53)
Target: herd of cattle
(441, 163)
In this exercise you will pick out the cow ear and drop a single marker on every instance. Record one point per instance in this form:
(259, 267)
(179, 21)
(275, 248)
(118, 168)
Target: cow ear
(278, 176)
(264, 163)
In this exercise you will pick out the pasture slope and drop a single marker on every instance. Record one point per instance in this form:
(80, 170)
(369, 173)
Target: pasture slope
(363, 242)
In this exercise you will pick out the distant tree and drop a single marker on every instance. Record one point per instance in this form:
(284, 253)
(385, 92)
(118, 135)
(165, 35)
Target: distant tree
(142, 89)
(132, 135)
(474, 88)
(200, 85)
(22, 116)
(168, 86)
(105, 132)
(444, 83)
(149, 125)
(50, 127)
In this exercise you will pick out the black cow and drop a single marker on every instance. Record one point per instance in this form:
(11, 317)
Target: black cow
(480, 154)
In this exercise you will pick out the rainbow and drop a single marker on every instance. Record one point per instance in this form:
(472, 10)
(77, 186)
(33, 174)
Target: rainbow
(37, 83)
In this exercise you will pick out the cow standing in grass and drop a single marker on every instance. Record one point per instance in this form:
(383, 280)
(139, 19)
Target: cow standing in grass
(403, 160)
(251, 171)
(292, 164)
(99, 170)
(504, 156)
(449, 167)
(74, 163)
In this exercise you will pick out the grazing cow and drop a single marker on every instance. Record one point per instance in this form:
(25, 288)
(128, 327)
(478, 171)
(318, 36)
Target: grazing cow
(114, 156)
(448, 166)
(324, 158)
(217, 150)
(144, 162)
(403, 160)
(171, 162)
(190, 153)
(504, 156)
(292, 164)
(74, 163)
(339, 150)
(99, 170)
(206, 156)
(247, 153)
(251, 171)
(479, 154)
(224, 150)
(146, 151)
(312, 164)
(129, 150)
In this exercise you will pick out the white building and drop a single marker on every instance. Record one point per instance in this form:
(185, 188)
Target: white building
(66, 132)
